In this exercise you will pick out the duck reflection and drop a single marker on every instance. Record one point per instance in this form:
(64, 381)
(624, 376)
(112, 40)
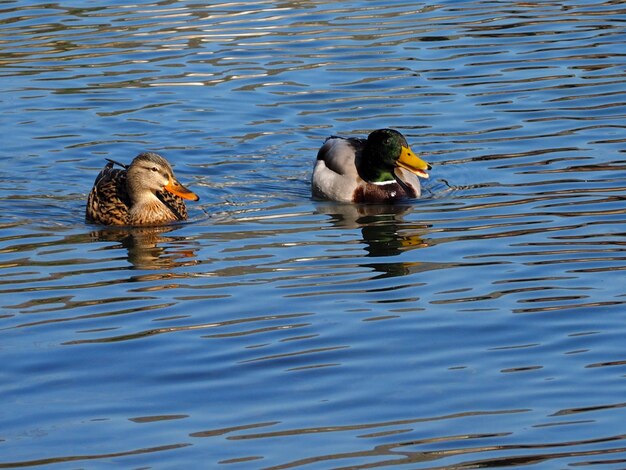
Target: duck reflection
(150, 247)
(384, 232)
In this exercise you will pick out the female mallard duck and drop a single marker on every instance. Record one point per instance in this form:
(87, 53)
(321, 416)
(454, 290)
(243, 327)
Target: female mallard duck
(146, 192)
(381, 168)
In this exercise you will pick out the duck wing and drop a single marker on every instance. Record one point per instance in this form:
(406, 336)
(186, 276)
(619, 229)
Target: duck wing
(339, 155)
(335, 175)
(108, 202)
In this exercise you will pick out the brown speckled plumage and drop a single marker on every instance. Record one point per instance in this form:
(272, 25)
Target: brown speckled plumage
(113, 201)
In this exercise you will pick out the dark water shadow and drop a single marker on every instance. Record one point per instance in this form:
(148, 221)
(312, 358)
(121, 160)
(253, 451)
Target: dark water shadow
(385, 232)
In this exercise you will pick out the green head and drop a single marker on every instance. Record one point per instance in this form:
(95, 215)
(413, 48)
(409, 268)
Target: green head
(387, 149)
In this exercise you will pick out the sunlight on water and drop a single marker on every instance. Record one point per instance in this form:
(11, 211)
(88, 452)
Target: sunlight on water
(480, 326)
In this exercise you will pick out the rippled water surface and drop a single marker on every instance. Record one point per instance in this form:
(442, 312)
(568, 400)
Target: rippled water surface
(481, 326)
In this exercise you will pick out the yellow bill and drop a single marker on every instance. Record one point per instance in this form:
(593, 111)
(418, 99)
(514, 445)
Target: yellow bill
(409, 161)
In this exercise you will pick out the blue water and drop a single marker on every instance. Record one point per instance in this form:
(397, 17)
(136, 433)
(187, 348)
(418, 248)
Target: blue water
(480, 326)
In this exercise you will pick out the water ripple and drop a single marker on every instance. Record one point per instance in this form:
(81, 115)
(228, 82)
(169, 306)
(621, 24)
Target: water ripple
(479, 326)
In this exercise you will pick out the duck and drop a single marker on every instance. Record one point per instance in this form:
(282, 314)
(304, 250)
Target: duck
(379, 169)
(146, 192)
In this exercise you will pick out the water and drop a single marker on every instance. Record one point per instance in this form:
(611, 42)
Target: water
(481, 326)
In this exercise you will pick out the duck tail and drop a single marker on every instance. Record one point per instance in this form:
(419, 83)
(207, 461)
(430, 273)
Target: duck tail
(117, 163)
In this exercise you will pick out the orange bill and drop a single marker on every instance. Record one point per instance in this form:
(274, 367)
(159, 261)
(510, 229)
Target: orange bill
(179, 190)
(409, 161)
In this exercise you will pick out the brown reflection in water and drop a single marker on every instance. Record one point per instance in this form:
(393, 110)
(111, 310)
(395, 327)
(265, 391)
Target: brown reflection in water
(587, 409)
(79, 458)
(384, 232)
(395, 453)
(156, 418)
(391, 450)
(222, 431)
(242, 322)
(144, 246)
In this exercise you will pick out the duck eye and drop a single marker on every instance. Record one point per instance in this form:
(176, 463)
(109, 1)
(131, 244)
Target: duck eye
(154, 168)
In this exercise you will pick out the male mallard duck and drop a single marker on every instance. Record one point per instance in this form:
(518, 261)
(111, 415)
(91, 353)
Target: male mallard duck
(146, 192)
(381, 168)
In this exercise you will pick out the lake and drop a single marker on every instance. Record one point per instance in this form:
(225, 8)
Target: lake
(480, 326)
